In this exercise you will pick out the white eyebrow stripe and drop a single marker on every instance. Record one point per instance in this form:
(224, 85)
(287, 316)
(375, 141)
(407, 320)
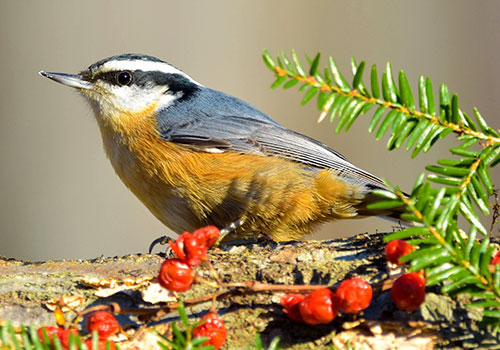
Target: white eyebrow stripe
(145, 66)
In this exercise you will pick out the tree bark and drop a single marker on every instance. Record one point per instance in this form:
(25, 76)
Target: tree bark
(25, 287)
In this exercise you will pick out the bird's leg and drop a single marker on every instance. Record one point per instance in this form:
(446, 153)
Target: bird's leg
(228, 229)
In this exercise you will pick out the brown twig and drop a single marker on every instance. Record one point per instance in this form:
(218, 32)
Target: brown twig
(231, 290)
(496, 212)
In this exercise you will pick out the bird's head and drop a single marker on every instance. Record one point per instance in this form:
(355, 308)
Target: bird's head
(129, 85)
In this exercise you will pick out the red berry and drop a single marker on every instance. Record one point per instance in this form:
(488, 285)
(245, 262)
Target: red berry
(496, 259)
(189, 249)
(51, 332)
(64, 336)
(101, 344)
(61, 333)
(396, 249)
(207, 235)
(213, 328)
(353, 295)
(104, 323)
(291, 302)
(318, 307)
(176, 275)
(408, 291)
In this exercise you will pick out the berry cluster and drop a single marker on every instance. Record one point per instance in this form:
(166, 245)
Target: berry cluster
(177, 274)
(322, 305)
(103, 322)
(354, 295)
(408, 291)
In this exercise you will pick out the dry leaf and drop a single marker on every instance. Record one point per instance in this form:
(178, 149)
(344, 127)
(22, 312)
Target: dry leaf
(107, 287)
(65, 303)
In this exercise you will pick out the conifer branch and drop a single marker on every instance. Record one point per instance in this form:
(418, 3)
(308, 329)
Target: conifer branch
(449, 255)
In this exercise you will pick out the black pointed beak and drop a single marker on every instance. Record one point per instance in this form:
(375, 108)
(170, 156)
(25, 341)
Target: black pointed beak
(72, 80)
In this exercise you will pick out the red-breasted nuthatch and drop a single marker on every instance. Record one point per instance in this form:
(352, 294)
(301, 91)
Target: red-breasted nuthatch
(195, 156)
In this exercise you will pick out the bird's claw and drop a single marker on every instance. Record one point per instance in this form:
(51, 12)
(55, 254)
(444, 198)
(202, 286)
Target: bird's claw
(160, 240)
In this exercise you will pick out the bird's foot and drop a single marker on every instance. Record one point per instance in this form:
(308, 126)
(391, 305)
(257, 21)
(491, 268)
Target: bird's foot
(160, 240)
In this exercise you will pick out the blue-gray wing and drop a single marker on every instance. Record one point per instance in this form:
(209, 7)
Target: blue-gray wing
(222, 123)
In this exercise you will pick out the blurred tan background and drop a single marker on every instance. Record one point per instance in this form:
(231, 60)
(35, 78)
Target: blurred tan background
(59, 196)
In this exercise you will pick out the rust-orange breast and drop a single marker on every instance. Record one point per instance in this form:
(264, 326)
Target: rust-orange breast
(185, 188)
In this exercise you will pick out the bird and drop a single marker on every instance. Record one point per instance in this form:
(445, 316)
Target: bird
(196, 156)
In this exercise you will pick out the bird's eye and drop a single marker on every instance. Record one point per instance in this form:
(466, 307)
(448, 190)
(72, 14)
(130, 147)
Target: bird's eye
(124, 78)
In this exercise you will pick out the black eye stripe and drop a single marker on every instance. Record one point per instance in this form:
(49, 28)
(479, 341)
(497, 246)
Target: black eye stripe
(175, 83)
(113, 77)
(142, 78)
(110, 77)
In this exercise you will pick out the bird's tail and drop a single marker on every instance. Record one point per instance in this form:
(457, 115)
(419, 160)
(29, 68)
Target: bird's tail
(392, 214)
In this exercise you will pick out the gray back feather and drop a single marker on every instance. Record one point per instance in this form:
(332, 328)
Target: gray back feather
(214, 120)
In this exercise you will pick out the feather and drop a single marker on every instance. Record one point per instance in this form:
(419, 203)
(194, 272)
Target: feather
(219, 121)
